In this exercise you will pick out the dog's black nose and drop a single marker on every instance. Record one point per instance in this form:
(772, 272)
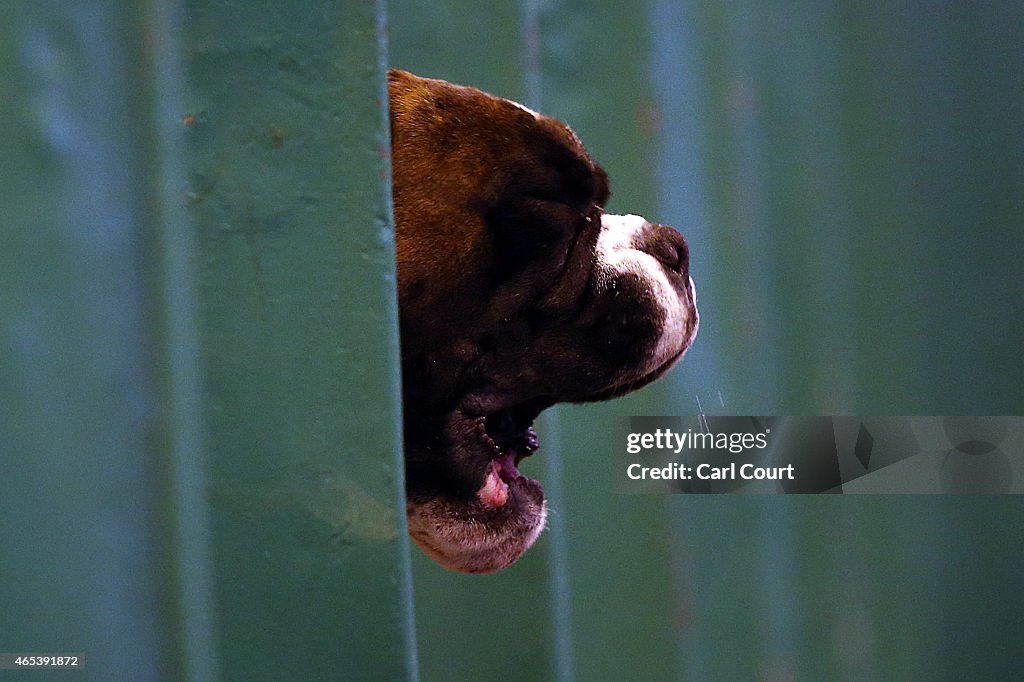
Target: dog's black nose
(668, 247)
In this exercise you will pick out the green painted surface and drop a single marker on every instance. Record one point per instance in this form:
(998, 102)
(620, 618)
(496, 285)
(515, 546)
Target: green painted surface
(859, 174)
(101, 505)
(861, 170)
(286, 133)
(864, 183)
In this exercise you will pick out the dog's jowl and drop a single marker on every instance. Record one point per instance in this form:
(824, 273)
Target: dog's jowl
(516, 291)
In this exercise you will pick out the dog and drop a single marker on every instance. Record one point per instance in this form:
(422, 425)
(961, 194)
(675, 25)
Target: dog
(516, 291)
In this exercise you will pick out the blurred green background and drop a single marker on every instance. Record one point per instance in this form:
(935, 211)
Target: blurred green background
(200, 474)
(851, 181)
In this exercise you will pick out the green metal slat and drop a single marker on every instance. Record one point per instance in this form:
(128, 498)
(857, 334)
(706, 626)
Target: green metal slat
(857, 160)
(869, 156)
(470, 626)
(102, 513)
(623, 602)
(286, 123)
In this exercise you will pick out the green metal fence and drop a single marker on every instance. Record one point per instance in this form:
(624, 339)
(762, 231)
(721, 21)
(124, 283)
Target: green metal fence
(102, 504)
(200, 461)
(286, 119)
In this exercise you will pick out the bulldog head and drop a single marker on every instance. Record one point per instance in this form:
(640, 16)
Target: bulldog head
(516, 291)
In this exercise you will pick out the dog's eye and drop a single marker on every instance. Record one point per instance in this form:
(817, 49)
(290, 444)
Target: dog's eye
(592, 215)
(561, 200)
(571, 211)
(532, 228)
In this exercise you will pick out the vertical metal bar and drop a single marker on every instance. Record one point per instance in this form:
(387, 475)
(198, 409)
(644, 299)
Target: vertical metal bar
(559, 563)
(720, 635)
(703, 569)
(187, 512)
(778, 598)
(681, 175)
(559, 571)
(102, 500)
(592, 64)
(506, 617)
(287, 148)
(808, 182)
(407, 613)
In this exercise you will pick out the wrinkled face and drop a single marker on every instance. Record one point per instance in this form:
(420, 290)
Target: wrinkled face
(516, 291)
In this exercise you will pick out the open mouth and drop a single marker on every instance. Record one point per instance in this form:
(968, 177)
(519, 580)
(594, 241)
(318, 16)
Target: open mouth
(500, 513)
(510, 436)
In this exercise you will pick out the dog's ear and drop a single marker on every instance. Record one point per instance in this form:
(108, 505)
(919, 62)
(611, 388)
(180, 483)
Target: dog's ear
(404, 89)
(399, 78)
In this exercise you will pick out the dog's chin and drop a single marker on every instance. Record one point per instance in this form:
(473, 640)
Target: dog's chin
(484, 534)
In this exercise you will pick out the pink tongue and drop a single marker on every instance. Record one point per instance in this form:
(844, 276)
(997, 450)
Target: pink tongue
(494, 491)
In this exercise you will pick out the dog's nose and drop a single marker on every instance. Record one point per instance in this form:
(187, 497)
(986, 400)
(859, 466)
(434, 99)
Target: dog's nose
(668, 247)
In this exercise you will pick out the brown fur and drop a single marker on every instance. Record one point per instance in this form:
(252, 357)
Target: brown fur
(498, 214)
